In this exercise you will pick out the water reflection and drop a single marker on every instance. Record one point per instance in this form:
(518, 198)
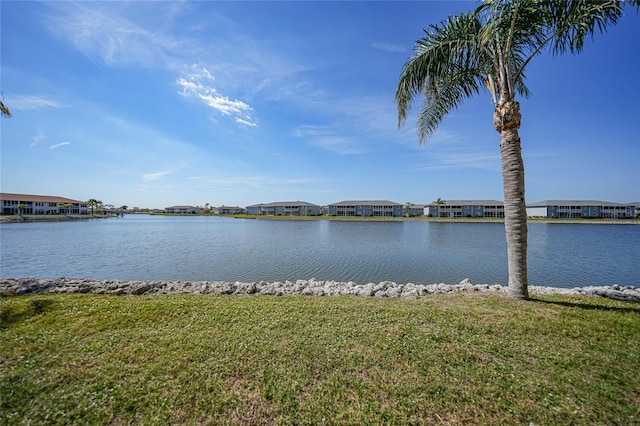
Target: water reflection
(225, 249)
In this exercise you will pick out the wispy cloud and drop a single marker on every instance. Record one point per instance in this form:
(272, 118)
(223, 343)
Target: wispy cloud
(246, 122)
(32, 102)
(326, 137)
(461, 161)
(336, 144)
(58, 145)
(36, 139)
(106, 35)
(250, 181)
(389, 47)
(155, 176)
(198, 83)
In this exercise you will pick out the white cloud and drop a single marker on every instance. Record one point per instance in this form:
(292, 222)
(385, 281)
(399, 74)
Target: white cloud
(249, 181)
(326, 137)
(223, 104)
(389, 47)
(457, 160)
(246, 123)
(32, 103)
(104, 34)
(58, 145)
(154, 176)
(36, 139)
(336, 144)
(198, 83)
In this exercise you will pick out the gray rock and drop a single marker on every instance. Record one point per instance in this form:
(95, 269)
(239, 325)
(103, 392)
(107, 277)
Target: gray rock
(140, 288)
(19, 286)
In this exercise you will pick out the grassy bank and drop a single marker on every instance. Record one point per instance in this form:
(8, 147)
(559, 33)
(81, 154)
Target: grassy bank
(48, 218)
(465, 358)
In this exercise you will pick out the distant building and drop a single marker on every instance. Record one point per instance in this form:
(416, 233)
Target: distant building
(467, 208)
(573, 209)
(40, 204)
(229, 210)
(183, 210)
(285, 208)
(366, 208)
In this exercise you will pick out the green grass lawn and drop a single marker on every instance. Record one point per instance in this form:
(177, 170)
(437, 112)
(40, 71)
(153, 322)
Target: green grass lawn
(449, 359)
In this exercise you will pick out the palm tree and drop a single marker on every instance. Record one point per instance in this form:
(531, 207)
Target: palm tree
(407, 208)
(93, 203)
(65, 206)
(491, 47)
(21, 208)
(439, 202)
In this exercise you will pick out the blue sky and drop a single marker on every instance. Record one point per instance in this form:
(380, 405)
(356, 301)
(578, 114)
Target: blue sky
(153, 104)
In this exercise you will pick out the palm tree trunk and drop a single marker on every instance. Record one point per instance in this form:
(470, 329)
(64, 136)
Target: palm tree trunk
(507, 122)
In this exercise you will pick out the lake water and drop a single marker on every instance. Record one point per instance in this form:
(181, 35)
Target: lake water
(142, 247)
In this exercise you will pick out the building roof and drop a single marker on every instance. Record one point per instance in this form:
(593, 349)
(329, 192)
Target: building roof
(590, 203)
(366, 203)
(5, 196)
(182, 207)
(285, 203)
(468, 203)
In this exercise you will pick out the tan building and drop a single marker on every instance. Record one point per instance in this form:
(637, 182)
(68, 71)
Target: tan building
(40, 204)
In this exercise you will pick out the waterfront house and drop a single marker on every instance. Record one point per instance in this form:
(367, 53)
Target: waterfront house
(40, 204)
(285, 208)
(466, 208)
(366, 208)
(183, 210)
(574, 209)
(229, 210)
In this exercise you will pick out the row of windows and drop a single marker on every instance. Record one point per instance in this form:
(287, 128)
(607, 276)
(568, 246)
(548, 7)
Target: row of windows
(31, 203)
(592, 207)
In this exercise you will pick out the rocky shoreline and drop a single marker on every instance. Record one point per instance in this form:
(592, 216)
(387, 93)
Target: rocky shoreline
(312, 287)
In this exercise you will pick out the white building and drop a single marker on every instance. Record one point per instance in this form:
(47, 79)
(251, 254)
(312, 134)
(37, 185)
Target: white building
(573, 209)
(40, 204)
(466, 208)
(182, 210)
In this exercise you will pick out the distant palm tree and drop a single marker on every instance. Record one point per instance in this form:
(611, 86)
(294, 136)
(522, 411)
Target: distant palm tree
(407, 208)
(491, 47)
(93, 203)
(21, 208)
(65, 206)
(439, 202)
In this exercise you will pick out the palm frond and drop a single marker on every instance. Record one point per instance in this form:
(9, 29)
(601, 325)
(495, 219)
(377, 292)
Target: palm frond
(578, 20)
(446, 69)
(4, 111)
(444, 97)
